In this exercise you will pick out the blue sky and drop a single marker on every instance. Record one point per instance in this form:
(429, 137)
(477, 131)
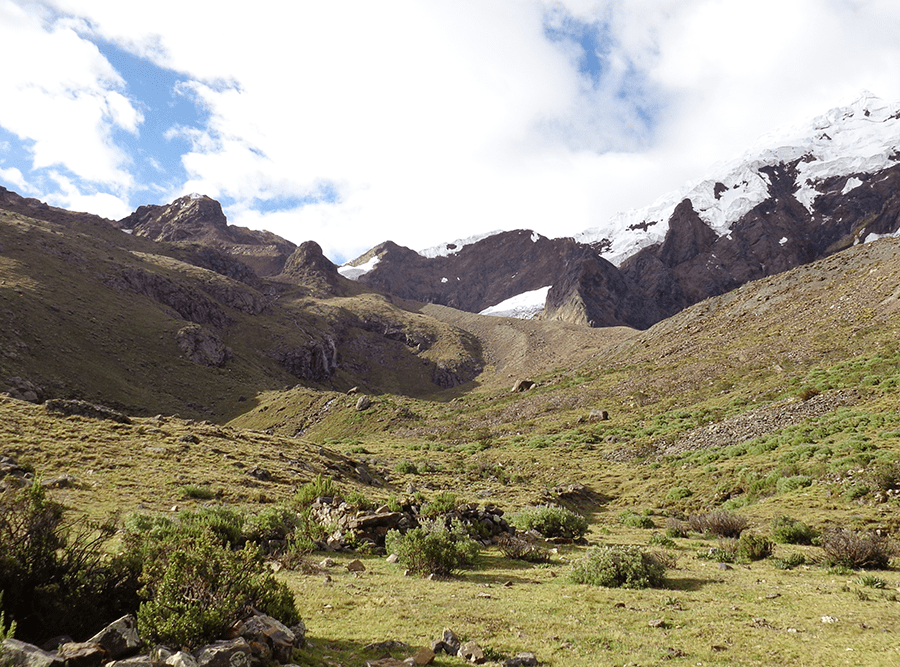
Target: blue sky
(355, 122)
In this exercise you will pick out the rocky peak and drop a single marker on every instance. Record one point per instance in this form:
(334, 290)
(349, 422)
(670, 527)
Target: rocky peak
(309, 267)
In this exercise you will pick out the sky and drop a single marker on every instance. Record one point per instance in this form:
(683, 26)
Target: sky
(352, 123)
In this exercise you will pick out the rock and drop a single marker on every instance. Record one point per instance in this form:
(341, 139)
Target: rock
(521, 660)
(299, 630)
(393, 558)
(82, 654)
(53, 644)
(363, 403)
(386, 646)
(829, 619)
(424, 656)
(656, 623)
(119, 638)
(181, 659)
(327, 562)
(387, 662)
(268, 638)
(599, 415)
(136, 661)
(229, 653)
(202, 346)
(471, 652)
(356, 566)
(20, 654)
(61, 482)
(352, 390)
(450, 641)
(522, 385)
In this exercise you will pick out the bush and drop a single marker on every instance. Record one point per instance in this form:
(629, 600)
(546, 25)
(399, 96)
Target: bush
(725, 552)
(406, 468)
(661, 540)
(720, 523)
(56, 575)
(272, 523)
(786, 484)
(194, 589)
(515, 548)
(675, 528)
(551, 521)
(441, 504)
(635, 520)
(856, 490)
(789, 562)
(857, 550)
(433, 548)
(752, 547)
(619, 567)
(678, 493)
(321, 486)
(790, 531)
(197, 492)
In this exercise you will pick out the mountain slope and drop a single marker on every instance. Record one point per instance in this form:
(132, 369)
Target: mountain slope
(799, 195)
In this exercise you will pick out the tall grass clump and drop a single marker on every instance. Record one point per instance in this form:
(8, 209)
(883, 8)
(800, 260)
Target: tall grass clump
(619, 567)
(551, 521)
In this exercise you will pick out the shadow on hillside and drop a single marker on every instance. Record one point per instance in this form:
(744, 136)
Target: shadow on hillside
(687, 584)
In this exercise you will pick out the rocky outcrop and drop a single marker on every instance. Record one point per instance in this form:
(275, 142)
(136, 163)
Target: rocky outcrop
(70, 407)
(186, 301)
(202, 346)
(309, 267)
(200, 219)
(316, 361)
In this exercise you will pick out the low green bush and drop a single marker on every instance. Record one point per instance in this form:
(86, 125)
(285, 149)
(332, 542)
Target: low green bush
(635, 520)
(661, 540)
(193, 588)
(516, 548)
(678, 493)
(752, 547)
(551, 521)
(320, 486)
(787, 484)
(197, 492)
(786, 530)
(433, 548)
(406, 468)
(441, 504)
(619, 567)
(789, 562)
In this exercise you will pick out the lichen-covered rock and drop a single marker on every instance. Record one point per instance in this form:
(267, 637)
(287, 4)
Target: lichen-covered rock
(21, 654)
(120, 638)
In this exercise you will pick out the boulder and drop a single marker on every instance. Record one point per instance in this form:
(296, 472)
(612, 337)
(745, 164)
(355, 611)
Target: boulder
(82, 654)
(181, 659)
(521, 660)
(20, 654)
(228, 653)
(268, 638)
(119, 638)
(363, 403)
(471, 652)
(522, 385)
(424, 656)
(136, 661)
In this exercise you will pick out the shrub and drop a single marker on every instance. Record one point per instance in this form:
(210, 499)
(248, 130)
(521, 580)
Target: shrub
(619, 567)
(856, 490)
(433, 548)
(321, 486)
(886, 476)
(720, 523)
(225, 523)
(675, 528)
(661, 540)
(272, 523)
(406, 468)
(634, 520)
(551, 521)
(678, 493)
(725, 552)
(194, 589)
(515, 548)
(790, 531)
(441, 504)
(807, 393)
(752, 547)
(871, 581)
(857, 550)
(789, 562)
(55, 573)
(197, 492)
(786, 484)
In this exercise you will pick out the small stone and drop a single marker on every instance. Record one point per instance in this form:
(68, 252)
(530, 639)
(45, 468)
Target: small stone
(451, 642)
(725, 566)
(521, 660)
(393, 558)
(82, 654)
(356, 566)
(829, 619)
(327, 562)
(424, 656)
(657, 623)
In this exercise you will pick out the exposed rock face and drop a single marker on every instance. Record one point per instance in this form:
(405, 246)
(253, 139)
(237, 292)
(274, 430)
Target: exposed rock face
(309, 267)
(315, 361)
(200, 219)
(202, 346)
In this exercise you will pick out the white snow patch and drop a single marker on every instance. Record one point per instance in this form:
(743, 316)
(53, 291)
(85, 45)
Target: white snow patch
(535, 237)
(852, 183)
(354, 272)
(443, 280)
(784, 239)
(128, 231)
(447, 249)
(860, 138)
(523, 306)
(195, 195)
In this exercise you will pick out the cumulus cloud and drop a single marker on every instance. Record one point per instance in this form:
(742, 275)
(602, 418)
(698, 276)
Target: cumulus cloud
(352, 123)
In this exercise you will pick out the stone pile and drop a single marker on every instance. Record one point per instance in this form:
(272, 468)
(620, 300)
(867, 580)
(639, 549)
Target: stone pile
(450, 644)
(351, 527)
(256, 641)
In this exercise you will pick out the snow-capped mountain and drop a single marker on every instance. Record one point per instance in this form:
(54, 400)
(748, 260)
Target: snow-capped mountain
(798, 194)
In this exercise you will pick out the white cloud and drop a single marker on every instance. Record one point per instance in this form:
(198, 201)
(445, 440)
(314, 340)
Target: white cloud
(14, 176)
(440, 120)
(62, 96)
